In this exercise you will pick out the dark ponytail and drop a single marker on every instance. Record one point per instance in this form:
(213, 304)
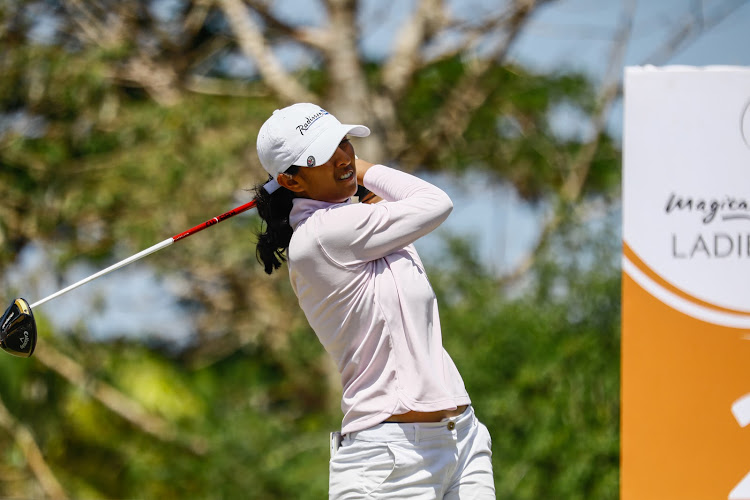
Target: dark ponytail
(276, 232)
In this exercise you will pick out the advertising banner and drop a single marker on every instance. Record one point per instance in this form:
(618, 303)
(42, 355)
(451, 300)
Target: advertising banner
(685, 417)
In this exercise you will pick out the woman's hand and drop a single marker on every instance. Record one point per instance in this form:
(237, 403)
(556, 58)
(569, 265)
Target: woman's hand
(362, 167)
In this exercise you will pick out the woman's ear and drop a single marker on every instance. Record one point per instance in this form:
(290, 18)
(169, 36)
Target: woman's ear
(290, 182)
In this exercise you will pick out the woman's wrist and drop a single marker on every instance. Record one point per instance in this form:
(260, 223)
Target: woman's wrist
(362, 167)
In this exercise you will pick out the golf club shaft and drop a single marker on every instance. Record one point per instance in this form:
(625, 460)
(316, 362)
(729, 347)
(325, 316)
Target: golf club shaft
(150, 250)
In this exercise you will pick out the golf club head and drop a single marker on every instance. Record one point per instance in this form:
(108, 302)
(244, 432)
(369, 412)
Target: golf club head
(18, 329)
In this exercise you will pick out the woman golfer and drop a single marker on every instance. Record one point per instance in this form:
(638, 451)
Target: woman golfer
(409, 431)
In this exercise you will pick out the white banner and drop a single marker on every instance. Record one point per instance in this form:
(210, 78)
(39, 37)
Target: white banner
(686, 284)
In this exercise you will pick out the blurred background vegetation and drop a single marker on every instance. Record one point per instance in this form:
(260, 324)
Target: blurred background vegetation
(124, 122)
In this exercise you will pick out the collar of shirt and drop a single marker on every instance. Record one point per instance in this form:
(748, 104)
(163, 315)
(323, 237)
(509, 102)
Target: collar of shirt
(302, 208)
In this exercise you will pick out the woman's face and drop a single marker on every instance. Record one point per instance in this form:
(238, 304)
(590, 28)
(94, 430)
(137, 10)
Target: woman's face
(334, 181)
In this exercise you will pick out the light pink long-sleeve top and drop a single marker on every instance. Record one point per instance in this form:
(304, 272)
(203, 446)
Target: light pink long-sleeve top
(365, 293)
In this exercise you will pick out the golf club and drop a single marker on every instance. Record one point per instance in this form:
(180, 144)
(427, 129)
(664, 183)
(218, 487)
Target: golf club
(17, 326)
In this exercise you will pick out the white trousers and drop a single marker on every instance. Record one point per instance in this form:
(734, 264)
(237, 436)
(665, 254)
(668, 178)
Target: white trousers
(451, 459)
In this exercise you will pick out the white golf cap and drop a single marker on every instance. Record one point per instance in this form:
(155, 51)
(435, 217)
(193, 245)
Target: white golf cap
(302, 134)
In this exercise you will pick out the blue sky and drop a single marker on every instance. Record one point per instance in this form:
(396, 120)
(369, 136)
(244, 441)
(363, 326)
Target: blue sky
(577, 33)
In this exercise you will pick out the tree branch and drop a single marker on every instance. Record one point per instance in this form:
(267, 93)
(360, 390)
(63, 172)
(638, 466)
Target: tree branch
(113, 399)
(697, 24)
(610, 90)
(196, 16)
(573, 184)
(254, 46)
(31, 452)
(406, 56)
(159, 80)
(344, 66)
(453, 118)
(350, 97)
(527, 262)
(470, 34)
(93, 29)
(313, 37)
(219, 86)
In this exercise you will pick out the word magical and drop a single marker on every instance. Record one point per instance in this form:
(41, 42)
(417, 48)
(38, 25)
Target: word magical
(729, 207)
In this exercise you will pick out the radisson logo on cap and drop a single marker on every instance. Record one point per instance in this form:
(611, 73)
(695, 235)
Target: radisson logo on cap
(310, 120)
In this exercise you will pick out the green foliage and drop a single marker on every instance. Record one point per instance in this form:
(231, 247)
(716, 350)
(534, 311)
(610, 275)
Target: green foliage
(107, 155)
(542, 365)
(254, 433)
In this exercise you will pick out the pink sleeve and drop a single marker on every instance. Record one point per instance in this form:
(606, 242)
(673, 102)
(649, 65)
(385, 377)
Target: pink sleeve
(356, 233)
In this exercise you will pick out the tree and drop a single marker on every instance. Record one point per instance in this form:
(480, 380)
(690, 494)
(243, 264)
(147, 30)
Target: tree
(130, 94)
(123, 122)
